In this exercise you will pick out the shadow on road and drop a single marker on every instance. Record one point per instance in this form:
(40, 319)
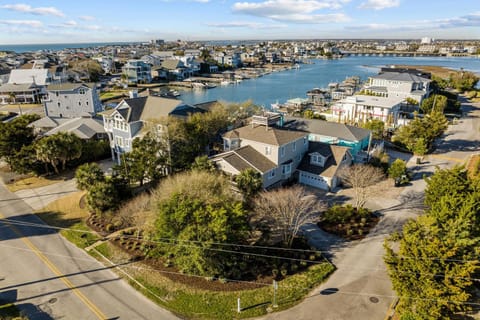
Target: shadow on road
(25, 309)
(28, 225)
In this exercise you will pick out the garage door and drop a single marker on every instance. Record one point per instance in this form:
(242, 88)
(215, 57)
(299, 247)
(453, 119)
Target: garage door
(313, 180)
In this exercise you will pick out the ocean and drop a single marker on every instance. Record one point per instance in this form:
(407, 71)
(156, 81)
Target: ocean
(19, 48)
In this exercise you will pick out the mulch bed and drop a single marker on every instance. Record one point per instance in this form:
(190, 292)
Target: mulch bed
(357, 231)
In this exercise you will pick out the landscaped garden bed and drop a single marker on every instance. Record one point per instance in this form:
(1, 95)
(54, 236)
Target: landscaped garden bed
(348, 222)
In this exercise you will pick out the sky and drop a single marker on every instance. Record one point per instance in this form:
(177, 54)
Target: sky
(86, 21)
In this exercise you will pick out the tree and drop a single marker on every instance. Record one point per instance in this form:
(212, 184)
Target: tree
(14, 135)
(88, 175)
(102, 197)
(202, 163)
(376, 126)
(435, 102)
(286, 210)
(145, 162)
(360, 177)
(250, 182)
(435, 264)
(195, 210)
(57, 149)
(397, 169)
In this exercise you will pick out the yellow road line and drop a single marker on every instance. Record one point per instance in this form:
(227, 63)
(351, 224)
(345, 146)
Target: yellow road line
(57, 272)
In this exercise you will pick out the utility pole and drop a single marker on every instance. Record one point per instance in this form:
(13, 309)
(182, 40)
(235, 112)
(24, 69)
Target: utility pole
(275, 287)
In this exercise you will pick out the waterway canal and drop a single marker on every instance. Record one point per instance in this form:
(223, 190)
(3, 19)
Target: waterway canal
(284, 85)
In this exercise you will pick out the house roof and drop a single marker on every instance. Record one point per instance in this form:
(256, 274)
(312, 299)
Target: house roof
(400, 76)
(151, 107)
(84, 128)
(171, 64)
(333, 153)
(328, 129)
(68, 86)
(382, 102)
(21, 87)
(246, 157)
(267, 135)
(19, 76)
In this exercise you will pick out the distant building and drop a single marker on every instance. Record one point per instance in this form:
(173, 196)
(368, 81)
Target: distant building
(359, 109)
(137, 71)
(426, 40)
(70, 100)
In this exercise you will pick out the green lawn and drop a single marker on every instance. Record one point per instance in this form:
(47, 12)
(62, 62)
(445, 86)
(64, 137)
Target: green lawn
(202, 304)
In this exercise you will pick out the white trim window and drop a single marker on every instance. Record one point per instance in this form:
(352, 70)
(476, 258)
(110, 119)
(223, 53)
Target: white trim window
(268, 150)
(282, 151)
(271, 174)
(287, 168)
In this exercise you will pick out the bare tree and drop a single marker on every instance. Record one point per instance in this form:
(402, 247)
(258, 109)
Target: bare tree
(359, 177)
(286, 210)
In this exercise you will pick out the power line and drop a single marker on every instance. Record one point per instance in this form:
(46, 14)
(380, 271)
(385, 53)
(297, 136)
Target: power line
(275, 257)
(166, 241)
(355, 293)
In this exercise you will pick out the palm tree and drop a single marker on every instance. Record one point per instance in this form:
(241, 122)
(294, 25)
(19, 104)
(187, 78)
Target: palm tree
(13, 97)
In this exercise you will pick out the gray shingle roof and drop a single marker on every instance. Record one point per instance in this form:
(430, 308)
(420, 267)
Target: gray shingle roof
(327, 128)
(270, 135)
(333, 153)
(84, 128)
(246, 157)
(68, 86)
(400, 76)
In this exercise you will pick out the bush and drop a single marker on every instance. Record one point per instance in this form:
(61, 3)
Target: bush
(339, 214)
(102, 197)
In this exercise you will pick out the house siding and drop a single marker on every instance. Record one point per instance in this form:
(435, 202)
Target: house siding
(71, 103)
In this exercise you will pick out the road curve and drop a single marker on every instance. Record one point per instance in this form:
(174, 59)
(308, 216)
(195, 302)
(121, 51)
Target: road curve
(49, 278)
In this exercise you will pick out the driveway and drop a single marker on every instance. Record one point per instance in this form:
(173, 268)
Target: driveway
(360, 287)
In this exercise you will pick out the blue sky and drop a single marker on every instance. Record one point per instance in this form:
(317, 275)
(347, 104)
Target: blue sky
(109, 20)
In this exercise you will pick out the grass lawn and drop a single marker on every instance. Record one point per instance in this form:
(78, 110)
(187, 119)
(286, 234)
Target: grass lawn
(179, 298)
(66, 213)
(112, 94)
(201, 304)
(31, 183)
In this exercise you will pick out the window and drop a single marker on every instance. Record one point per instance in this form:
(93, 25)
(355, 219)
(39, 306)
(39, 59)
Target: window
(294, 146)
(56, 94)
(286, 168)
(58, 104)
(282, 151)
(271, 174)
(317, 159)
(79, 103)
(268, 150)
(81, 91)
(304, 141)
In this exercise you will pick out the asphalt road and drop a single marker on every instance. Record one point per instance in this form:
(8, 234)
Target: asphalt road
(49, 278)
(360, 288)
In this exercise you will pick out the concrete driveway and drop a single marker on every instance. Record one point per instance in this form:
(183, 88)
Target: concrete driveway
(360, 287)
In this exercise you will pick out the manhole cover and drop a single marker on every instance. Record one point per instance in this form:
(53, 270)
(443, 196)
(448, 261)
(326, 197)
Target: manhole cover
(374, 299)
(53, 300)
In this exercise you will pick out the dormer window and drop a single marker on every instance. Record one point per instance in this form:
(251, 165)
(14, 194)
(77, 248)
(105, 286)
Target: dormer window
(268, 150)
(317, 159)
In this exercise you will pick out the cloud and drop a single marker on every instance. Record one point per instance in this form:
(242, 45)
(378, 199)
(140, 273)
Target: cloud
(297, 11)
(25, 23)
(251, 25)
(471, 20)
(379, 4)
(87, 18)
(25, 8)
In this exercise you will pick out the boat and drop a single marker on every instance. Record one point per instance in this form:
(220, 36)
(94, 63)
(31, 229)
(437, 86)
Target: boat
(225, 82)
(209, 85)
(198, 85)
